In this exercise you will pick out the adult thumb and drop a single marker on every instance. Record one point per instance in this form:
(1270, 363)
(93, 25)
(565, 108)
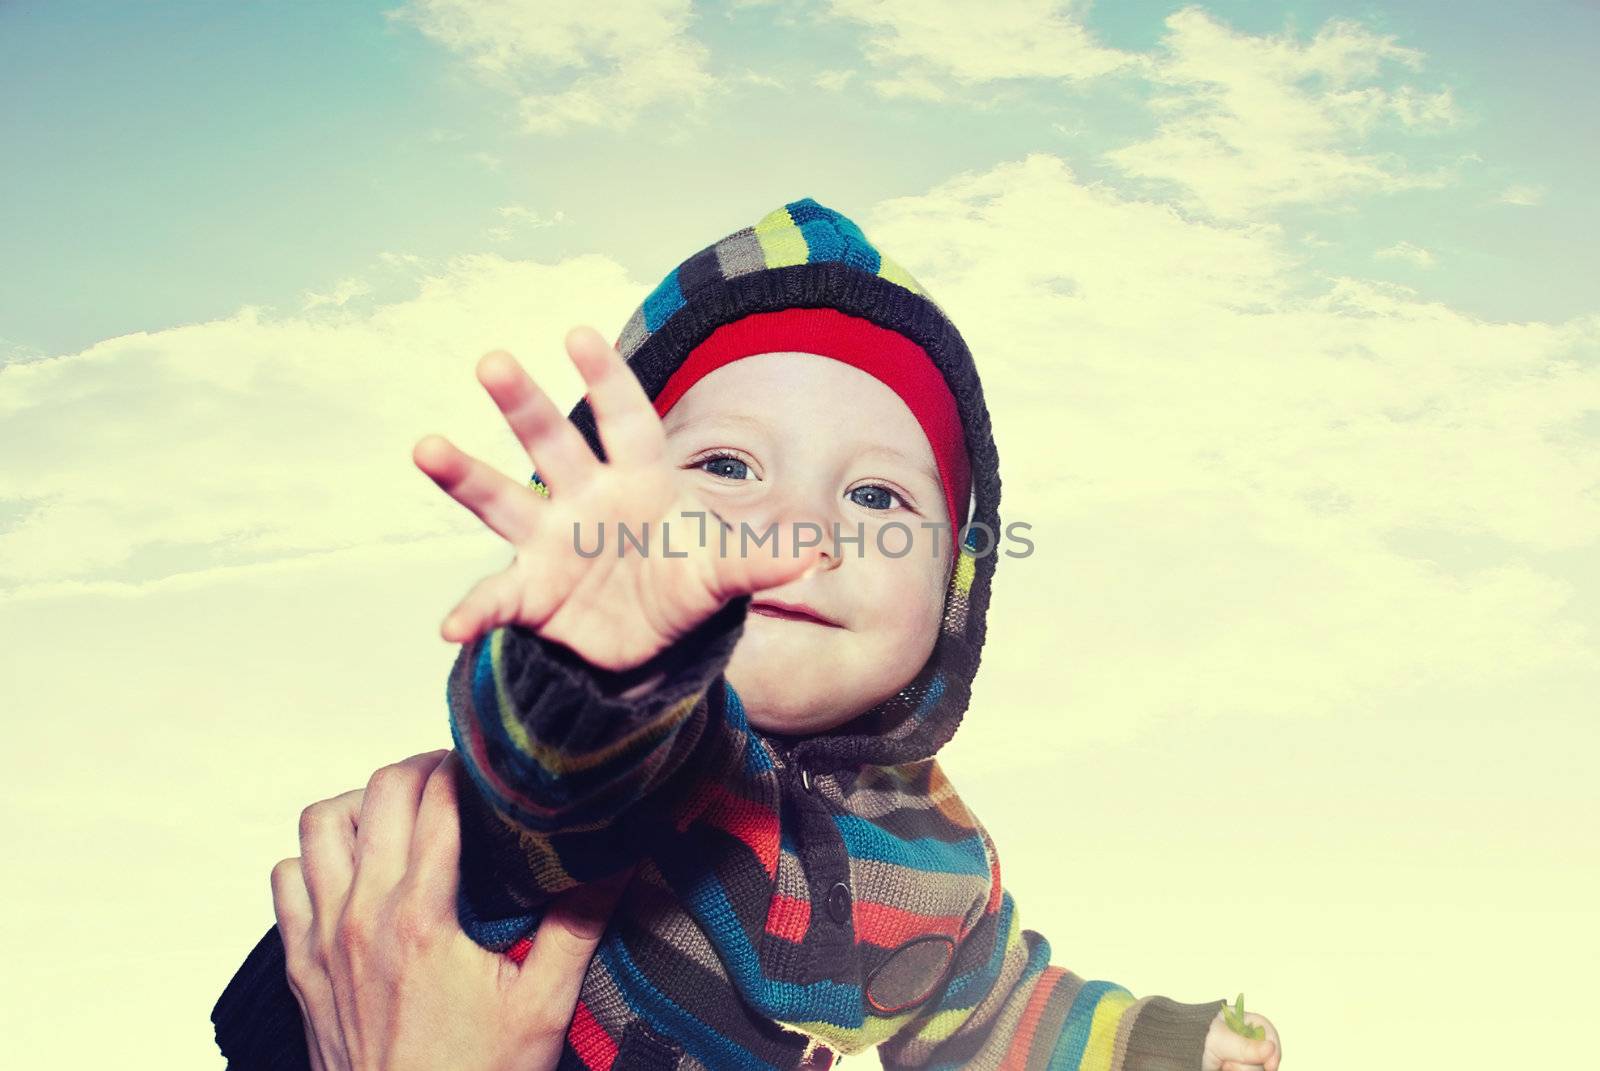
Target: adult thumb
(552, 974)
(583, 912)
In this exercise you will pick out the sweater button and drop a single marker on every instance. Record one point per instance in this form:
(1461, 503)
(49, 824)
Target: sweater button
(805, 780)
(839, 903)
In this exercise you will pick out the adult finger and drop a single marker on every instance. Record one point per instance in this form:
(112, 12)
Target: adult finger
(314, 1043)
(388, 815)
(584, 911)
(506, 506)
(435, 860)
(291, 904)
(328, 853)
(551, 979)
(559, 454)
(630, 430)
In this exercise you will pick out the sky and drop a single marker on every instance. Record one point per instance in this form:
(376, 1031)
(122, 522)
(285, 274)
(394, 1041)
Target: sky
(1282, 315)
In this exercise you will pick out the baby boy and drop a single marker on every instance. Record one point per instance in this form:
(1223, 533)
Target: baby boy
(746, 610)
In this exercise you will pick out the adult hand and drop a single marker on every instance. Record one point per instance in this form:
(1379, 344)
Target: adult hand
(383, 973)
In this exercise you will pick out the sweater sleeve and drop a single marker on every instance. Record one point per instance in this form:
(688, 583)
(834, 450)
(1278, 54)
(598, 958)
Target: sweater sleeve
(562, 780)
(1004, 1004)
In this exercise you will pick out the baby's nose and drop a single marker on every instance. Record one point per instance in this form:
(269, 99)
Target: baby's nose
(800, 523)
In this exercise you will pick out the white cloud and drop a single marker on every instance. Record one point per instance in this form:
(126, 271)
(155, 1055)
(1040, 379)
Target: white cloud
(487, 160)
(1218, 464)
(833, 80)
(521, 217)
(571, 63)
(1409, 252)
(342, 292)
(261, 436)
(1416, 108)
(1522, 194)
(908, 86)
(923, 41)
(1245, 123)
(527, 217)
(14, 352)
(399, 261)
(1250, 122)
(756, 78)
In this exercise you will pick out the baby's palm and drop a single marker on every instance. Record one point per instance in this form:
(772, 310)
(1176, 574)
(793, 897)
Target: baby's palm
(614, 611)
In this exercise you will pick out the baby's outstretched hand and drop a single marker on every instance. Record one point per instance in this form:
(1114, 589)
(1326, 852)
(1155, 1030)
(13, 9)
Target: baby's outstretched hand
(615, 611)
(1241, 1041)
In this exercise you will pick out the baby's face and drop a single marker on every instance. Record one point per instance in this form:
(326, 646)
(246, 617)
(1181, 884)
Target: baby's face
(781, 439)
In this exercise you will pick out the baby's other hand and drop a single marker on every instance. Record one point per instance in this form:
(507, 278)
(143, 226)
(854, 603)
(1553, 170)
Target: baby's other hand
(1230, 1051)
(615, 611)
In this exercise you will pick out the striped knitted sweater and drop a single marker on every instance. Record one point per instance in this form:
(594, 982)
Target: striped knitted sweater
(792, 898)
(775, 911)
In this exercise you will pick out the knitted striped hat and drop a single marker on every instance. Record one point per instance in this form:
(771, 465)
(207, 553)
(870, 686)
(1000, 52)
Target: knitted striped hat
(805, 256)
(886, 355)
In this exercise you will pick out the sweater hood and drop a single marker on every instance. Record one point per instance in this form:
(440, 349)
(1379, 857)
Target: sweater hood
(805, 255)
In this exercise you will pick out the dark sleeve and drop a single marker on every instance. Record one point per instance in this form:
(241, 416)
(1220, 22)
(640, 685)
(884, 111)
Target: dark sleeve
(257, 1021)
(562, 781)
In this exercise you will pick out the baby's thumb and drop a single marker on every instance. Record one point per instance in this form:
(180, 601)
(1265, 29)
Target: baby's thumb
(746, 570)
(489, 604)
(768, 572)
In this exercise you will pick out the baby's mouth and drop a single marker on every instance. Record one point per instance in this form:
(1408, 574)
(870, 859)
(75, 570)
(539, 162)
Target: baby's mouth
(789, 613)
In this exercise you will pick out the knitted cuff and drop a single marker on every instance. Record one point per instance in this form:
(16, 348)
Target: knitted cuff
(1169, 1036)
(682, 664)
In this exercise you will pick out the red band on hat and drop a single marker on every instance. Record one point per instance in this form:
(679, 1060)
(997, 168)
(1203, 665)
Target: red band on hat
(888, 356)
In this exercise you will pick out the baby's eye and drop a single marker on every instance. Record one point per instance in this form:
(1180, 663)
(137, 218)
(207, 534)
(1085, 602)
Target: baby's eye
(873, 496)
(724, 465)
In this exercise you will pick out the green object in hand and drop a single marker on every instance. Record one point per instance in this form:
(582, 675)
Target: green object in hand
(1234, 1017)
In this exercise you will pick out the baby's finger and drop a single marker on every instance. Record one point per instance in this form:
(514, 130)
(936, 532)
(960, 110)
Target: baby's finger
(743, 569)
(559, 453)
(492, 602)
(629, 428)
(1253, 1052)
(500, 502)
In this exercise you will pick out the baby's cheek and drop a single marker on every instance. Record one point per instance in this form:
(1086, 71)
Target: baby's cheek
(917, 613)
